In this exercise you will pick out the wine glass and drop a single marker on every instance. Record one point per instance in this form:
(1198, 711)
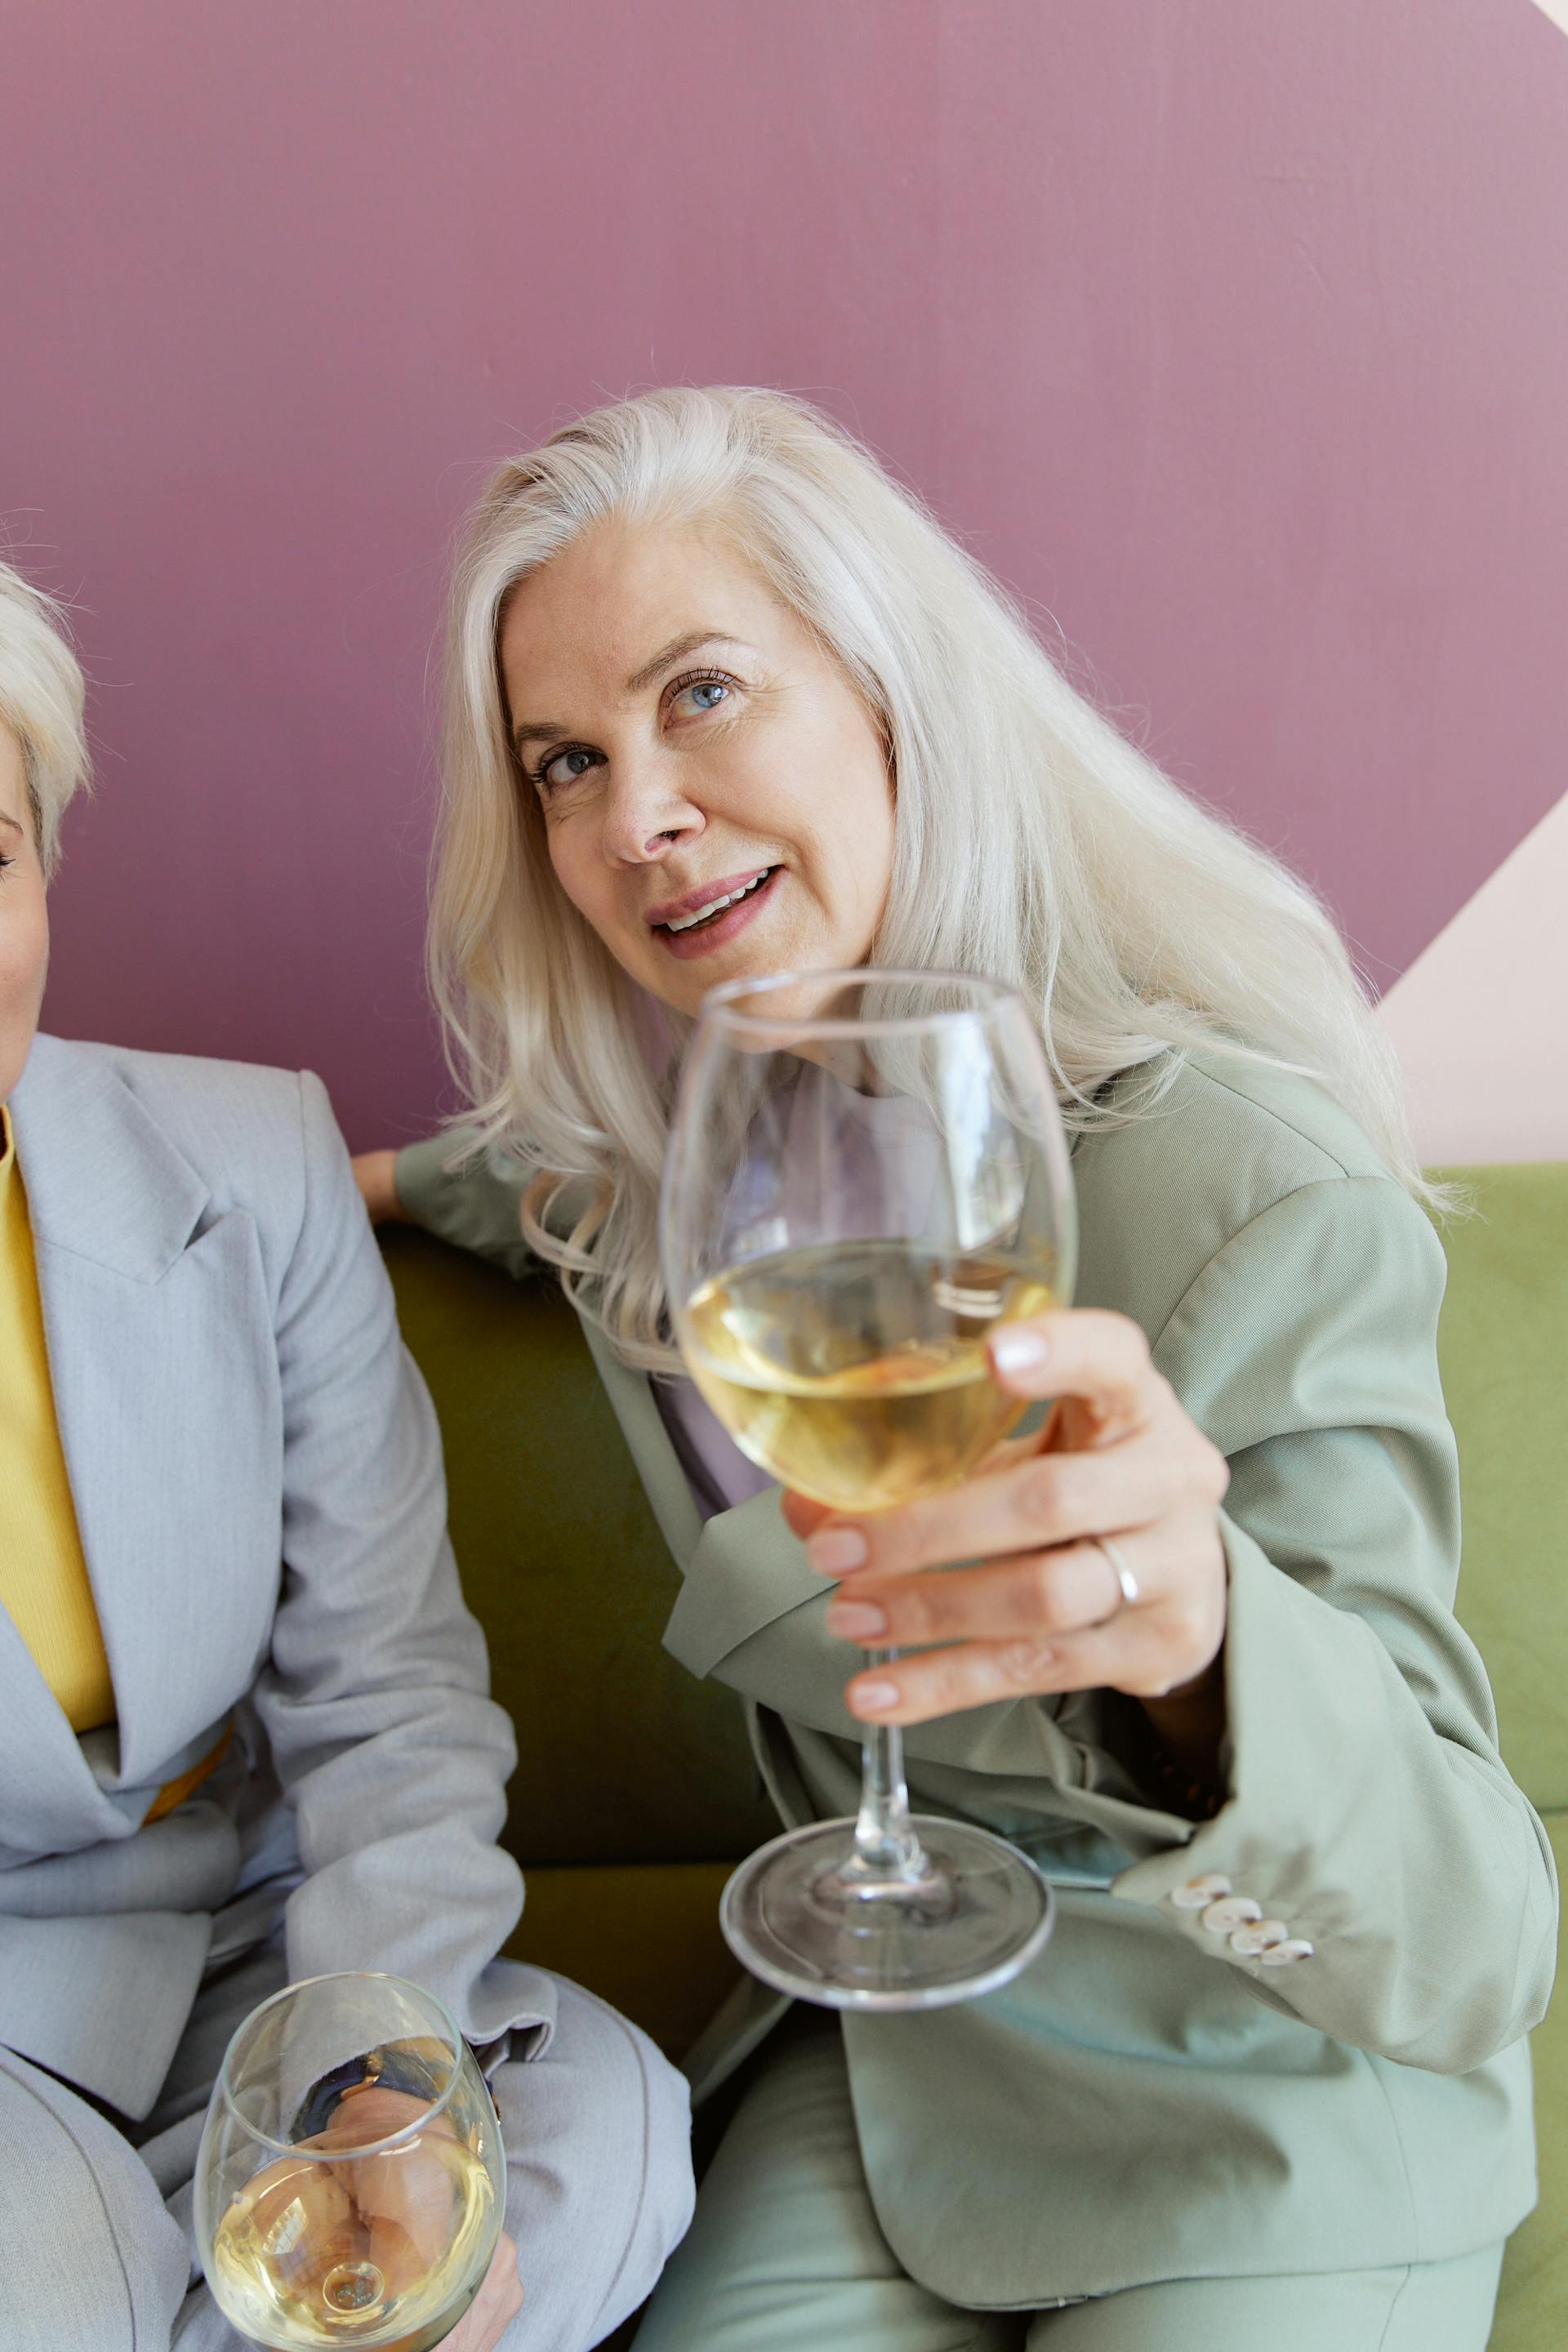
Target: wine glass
(866, 1175)
(350, 2179)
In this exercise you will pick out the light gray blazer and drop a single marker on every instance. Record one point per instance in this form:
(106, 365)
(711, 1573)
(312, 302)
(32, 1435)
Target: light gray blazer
(258, 1480)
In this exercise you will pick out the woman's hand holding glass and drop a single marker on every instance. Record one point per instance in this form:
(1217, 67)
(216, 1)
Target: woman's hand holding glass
(1043, 1610)
(495, 2306)
(351, 2178)
(400, 2200)
(867, 1178)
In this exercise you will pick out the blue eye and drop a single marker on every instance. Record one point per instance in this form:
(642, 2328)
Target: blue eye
(706, 693)
(571, 764)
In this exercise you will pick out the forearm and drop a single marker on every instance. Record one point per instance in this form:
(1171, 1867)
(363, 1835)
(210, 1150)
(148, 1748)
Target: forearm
(375, 1173)
(1393, 1845)
(476, 1206)
(373, 1695)
(599, 2187)
(1179, 1741)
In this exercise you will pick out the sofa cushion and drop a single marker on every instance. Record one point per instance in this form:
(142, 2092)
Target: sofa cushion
(643, 1936)
(622, 1755)
(1533, 2306)
(1503, 1343)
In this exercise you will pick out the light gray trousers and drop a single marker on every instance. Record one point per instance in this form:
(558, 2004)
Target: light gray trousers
(95, 2254)
(786, 2255)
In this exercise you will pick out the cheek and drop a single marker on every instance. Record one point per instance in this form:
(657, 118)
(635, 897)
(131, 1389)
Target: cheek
(873, 864)
(854, 826)
(24, 956)
(24, 959)
(572, 872)
(583, 877)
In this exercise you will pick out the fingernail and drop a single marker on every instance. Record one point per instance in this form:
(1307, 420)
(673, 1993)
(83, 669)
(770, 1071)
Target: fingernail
(855, 1620)
(873, 1698)
(838, 1549)
(1016, 1351)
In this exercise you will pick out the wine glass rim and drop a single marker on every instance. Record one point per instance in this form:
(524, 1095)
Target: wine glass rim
(720, 1004)
(371, 2148)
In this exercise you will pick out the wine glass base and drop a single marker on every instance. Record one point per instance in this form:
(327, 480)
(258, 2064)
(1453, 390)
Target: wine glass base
(978, 1915)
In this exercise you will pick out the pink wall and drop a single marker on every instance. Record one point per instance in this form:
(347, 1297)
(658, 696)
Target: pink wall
(1235, 335)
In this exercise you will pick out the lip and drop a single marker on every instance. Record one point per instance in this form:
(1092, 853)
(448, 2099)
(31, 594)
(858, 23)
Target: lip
(686, 946)
(671, 910)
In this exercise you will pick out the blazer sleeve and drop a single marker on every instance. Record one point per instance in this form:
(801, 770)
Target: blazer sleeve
(373, 1697)
(1370, 1809)
(470, 1198)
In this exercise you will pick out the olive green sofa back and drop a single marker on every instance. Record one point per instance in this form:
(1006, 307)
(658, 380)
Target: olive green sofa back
(634, 1789)
(1504, 1348)
(623, 1756)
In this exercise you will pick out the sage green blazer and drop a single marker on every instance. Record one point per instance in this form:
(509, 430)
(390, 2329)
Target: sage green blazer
(1145, 2102)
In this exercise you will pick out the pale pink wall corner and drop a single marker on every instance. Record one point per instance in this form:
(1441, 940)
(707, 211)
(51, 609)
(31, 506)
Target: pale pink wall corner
(1480, 1019)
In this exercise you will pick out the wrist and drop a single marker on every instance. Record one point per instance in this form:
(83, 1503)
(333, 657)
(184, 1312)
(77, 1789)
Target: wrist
(1183, 1733)
(376, 1172)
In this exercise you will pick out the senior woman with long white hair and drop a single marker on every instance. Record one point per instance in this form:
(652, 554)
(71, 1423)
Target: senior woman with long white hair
(724, 701)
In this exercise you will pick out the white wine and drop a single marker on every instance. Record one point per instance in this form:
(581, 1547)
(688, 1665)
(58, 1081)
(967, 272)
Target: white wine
(855, 1371)
(386, 2250)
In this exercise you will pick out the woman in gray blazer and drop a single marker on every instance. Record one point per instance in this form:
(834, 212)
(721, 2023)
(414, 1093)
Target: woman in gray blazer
(722, 700)
(243, 1729)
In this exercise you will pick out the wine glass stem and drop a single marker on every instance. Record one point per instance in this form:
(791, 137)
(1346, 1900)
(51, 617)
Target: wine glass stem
(886, 1847)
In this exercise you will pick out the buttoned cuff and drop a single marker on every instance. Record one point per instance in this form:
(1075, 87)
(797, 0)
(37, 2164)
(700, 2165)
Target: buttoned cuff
(1249, 1886)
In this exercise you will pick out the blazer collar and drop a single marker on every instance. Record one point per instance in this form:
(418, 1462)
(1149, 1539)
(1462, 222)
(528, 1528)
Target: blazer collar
(741, 1570)
(112, 1204)
(103, 1180)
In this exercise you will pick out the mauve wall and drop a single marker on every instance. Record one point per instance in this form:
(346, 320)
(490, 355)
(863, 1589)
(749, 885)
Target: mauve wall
(1233, 334)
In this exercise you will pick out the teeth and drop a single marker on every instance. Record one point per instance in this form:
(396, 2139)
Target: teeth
(715, 907)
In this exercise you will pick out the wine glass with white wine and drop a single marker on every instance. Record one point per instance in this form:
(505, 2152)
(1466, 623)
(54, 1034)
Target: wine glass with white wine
(350, 2179)
(866, 1175)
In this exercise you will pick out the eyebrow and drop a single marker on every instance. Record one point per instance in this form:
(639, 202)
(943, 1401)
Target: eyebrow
(540, 730)
(11, 821)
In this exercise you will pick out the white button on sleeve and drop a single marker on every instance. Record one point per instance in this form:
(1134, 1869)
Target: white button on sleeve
(1294, 1947)
(1231, 1911)
(1259, 1936)
(1198, 1893)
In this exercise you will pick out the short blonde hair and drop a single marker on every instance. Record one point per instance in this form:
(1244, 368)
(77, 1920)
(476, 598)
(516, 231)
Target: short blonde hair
(41, 699)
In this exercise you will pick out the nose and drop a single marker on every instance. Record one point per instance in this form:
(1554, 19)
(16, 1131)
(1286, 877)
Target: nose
(645, 812)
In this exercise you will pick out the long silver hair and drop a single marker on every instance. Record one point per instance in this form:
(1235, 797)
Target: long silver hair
(1034, 843)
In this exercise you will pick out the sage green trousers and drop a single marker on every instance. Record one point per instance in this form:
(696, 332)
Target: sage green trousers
(786, 2255)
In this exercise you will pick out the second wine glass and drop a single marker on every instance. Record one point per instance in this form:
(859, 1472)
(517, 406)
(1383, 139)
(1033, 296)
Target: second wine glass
(350, 2179)
(866, 1175)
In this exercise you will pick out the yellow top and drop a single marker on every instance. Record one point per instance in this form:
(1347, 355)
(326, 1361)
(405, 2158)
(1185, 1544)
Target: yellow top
(42, 1575)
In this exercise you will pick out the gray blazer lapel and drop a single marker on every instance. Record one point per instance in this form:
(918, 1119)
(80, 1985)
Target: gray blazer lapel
(52, 1803)
(741, 1570)
(747, 1571)
(148, 1348)
(631, 1395)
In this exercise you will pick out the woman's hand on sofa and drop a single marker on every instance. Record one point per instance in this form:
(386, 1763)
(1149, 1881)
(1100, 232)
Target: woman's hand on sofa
(375, 1173)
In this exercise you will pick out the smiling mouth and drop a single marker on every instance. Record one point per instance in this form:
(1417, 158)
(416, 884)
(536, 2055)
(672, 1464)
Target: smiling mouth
(709, 913)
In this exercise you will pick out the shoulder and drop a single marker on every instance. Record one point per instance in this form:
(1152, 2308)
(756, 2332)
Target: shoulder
(1221, 1144)
(177, 1086)
(258, 1139)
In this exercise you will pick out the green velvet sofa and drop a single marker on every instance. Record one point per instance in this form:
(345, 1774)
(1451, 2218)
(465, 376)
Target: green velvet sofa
(635, 1791)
